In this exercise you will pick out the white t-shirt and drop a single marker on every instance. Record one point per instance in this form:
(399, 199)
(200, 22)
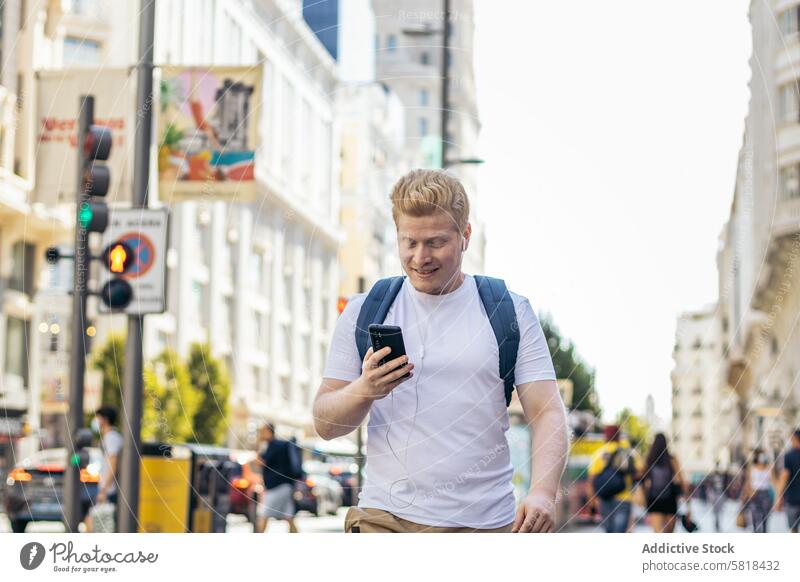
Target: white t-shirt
(445, 461)
(111, 443)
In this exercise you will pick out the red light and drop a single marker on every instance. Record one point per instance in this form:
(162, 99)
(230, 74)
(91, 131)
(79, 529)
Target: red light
(241, 483)
(20, 475)
(310, 482)
(341, 304)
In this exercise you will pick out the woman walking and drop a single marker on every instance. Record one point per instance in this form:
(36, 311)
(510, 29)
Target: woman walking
(756, 490)
(663, 483)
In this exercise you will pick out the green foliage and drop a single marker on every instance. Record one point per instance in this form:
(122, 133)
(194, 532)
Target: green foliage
(637, 429)
(210, 379)
(110, 361)
(183, 402)
(568, 364)
(171, 400)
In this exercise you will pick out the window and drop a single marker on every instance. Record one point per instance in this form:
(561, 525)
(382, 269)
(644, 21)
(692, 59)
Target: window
(81, 51)
(259, 336)
(423, 97)
(788, 102)
(257, 270)
(425, 58)
(227, 316)
(423, 126)
(23, 260)
(17, 334)
(391, 43)
(790, 182)
(789, 20)
(287, 342)
(197, 298)
(286, 390)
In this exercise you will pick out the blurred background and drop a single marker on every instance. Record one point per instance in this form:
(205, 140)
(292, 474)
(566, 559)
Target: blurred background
(629, 170)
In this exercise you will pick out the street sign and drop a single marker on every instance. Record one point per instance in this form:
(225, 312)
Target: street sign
(142, 234)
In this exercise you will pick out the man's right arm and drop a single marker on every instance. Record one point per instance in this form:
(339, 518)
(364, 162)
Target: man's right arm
(341, 406)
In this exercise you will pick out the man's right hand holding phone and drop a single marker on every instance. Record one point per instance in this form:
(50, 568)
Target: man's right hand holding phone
(378, 380)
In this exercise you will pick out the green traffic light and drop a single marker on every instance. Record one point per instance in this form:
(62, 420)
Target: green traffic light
(75, 460)
(85, 215)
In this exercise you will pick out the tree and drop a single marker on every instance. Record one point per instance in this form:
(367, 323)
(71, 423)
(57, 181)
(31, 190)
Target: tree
(110, 361)
(210, 378)
(569, 365)
(171, 400)
(637, 429)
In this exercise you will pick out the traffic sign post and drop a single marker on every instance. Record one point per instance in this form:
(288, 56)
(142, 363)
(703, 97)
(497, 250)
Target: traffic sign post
(135, 245)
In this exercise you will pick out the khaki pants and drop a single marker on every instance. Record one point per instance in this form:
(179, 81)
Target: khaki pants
(367, 520)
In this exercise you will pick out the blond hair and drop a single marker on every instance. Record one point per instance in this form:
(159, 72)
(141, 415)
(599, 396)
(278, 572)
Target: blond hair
(424, 192)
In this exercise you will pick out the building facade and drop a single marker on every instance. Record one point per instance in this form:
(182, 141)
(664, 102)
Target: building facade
(256, 280)
(759, 257)
(704, 425)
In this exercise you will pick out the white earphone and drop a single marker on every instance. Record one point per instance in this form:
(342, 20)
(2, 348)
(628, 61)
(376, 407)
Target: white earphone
(463, 244)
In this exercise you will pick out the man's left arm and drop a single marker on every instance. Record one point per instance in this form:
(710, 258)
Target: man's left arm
(109, 478)
(546, 417)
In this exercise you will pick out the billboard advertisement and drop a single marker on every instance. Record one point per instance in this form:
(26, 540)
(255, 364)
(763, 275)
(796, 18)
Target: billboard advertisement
(208, 132)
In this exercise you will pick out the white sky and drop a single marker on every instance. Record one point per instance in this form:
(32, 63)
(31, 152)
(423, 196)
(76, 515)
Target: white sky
(611, 132)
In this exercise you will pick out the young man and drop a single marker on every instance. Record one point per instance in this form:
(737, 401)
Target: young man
(615, 512)
(788, 489)
(437, 458)
(278, 499)
(111, 442)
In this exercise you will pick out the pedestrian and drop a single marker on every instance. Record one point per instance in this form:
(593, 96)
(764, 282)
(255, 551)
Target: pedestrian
(279, 474)
(788, 487)
(664, 484)
(103, 424)
(438, 459)
(613, 470)
(756, 490)
(715, 490)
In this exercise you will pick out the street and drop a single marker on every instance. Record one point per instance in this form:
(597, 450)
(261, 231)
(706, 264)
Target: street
(704, 517)
(307, 523)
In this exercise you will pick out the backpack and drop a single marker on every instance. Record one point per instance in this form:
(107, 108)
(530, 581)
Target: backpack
(611, 480)
(295, 460)
(660, 478)
(495, 298)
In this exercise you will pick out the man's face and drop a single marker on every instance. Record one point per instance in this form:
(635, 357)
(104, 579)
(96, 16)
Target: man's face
(430, 251)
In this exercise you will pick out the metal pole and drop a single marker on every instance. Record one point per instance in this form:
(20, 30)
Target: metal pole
(133, 389)
(72, 498)
(446, 28)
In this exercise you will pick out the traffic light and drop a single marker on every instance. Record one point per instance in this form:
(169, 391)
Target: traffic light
(95, 179)
(118, 258)
(80, 456)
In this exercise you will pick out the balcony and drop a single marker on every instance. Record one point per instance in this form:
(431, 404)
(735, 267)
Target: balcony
(786, 220)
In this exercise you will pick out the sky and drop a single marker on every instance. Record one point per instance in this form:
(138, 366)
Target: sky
(610, 134)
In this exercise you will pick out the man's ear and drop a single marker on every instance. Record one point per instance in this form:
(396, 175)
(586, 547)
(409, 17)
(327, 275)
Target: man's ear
(466, 236)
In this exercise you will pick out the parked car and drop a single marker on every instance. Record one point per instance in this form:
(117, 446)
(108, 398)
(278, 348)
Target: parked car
(246, 485)
(319, 493)
(34, 487)
(346, 476)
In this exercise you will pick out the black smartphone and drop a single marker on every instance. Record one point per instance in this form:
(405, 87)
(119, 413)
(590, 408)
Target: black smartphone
(387, 335)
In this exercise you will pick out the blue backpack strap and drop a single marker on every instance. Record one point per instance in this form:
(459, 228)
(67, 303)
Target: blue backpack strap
(374, 310)
(503, 317)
